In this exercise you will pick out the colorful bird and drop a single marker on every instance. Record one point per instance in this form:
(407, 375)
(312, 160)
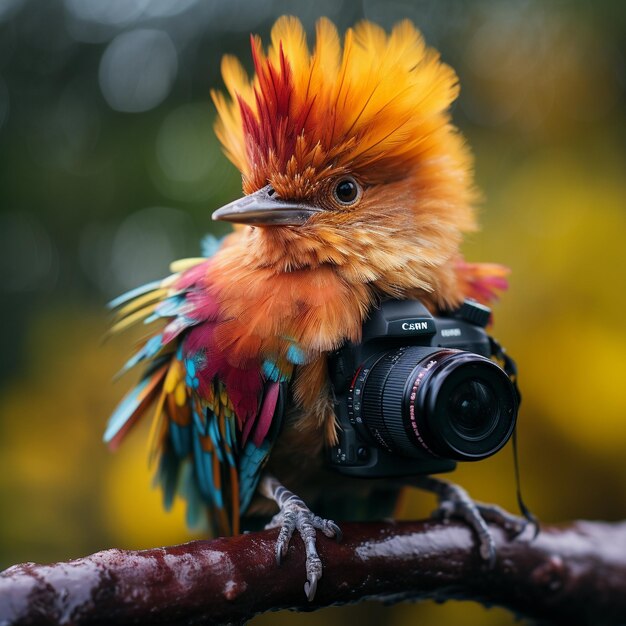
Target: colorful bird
(358, 188)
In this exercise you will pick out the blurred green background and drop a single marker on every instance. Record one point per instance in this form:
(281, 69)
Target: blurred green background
(109, 170)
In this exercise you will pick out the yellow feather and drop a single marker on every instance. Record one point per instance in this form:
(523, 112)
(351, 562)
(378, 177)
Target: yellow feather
(180, 394)
(170, 280)
(184, 264)
(173, 377)
(327, 49)
(139, 302)
(134, 318)
(288, 33)
(228, 130)
(376, 101)
(235, 77)
(157, 429)
(228, 127)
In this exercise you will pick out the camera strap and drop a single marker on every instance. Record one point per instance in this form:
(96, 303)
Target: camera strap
(510, 368)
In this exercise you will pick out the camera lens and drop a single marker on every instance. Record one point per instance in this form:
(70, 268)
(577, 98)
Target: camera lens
(443, 402)
(473, 409)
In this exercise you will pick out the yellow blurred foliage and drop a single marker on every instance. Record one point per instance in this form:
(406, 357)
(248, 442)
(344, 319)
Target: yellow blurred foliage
(134, 514)
(581, 384)
(562, 319)
(426, 613)
(65, 492)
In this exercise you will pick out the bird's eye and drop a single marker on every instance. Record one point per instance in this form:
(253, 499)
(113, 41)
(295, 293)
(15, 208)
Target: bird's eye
(347, 191)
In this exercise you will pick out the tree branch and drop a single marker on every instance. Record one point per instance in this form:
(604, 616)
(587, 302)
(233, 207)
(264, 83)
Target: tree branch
(574, 574)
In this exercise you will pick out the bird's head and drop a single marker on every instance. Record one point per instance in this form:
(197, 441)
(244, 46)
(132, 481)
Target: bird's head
(347, 154)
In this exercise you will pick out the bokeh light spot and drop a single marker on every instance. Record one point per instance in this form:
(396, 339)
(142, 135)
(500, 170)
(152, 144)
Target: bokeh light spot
(145, 244)
(167, 8)
(8, 8)
(111, 12)
(183, 143)
(138, 69)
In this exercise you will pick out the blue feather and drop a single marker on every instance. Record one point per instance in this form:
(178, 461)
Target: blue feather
(148, 351)
(191, 367)
(271, 372)
(167, 476)
(210, 244)
(228, 431)
(124, 410)
(134, 293)
(178, 324)
(199, 422)
(296, 355)
(181, 438)
(251, 463)
(214, 433)
(191, 379)
(170, 307)
(203, 463)
(195, 517)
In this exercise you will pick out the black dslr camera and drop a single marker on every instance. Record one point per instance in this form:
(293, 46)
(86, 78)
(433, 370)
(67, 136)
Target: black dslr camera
(419, 393)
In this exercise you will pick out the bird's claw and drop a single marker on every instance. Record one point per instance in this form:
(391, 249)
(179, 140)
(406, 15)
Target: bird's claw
(511, 524)
(310, 586)
(455, 502)
(488, 550)
(296, 517)
(328, 527)
(287, 526)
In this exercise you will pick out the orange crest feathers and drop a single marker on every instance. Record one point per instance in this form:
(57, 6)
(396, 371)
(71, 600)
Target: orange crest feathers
(369, 107)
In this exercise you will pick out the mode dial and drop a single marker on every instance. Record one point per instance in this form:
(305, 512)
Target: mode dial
(473, 312)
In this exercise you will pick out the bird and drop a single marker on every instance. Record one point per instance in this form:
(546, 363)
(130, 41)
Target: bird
(357, 188)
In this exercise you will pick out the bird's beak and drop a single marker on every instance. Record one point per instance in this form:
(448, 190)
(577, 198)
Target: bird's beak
(264, 208)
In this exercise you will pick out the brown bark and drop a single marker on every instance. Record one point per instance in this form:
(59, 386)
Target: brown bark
(573, 574)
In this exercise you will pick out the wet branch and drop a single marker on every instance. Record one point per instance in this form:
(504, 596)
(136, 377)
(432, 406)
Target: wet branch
(574, 574)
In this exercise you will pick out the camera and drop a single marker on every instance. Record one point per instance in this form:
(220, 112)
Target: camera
(419, 392)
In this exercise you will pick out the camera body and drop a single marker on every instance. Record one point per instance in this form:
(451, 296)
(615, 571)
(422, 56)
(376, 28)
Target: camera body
(419, 393)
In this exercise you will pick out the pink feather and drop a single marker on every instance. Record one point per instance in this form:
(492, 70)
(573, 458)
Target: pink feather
(266, 415)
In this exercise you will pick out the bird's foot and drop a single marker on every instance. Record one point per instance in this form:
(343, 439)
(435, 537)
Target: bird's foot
(454, 501)
(295, 515)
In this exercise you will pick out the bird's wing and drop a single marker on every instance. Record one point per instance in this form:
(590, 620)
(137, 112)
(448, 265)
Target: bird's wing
(215, 421)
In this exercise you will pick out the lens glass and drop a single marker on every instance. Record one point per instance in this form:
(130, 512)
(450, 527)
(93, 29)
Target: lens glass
(473, 409)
